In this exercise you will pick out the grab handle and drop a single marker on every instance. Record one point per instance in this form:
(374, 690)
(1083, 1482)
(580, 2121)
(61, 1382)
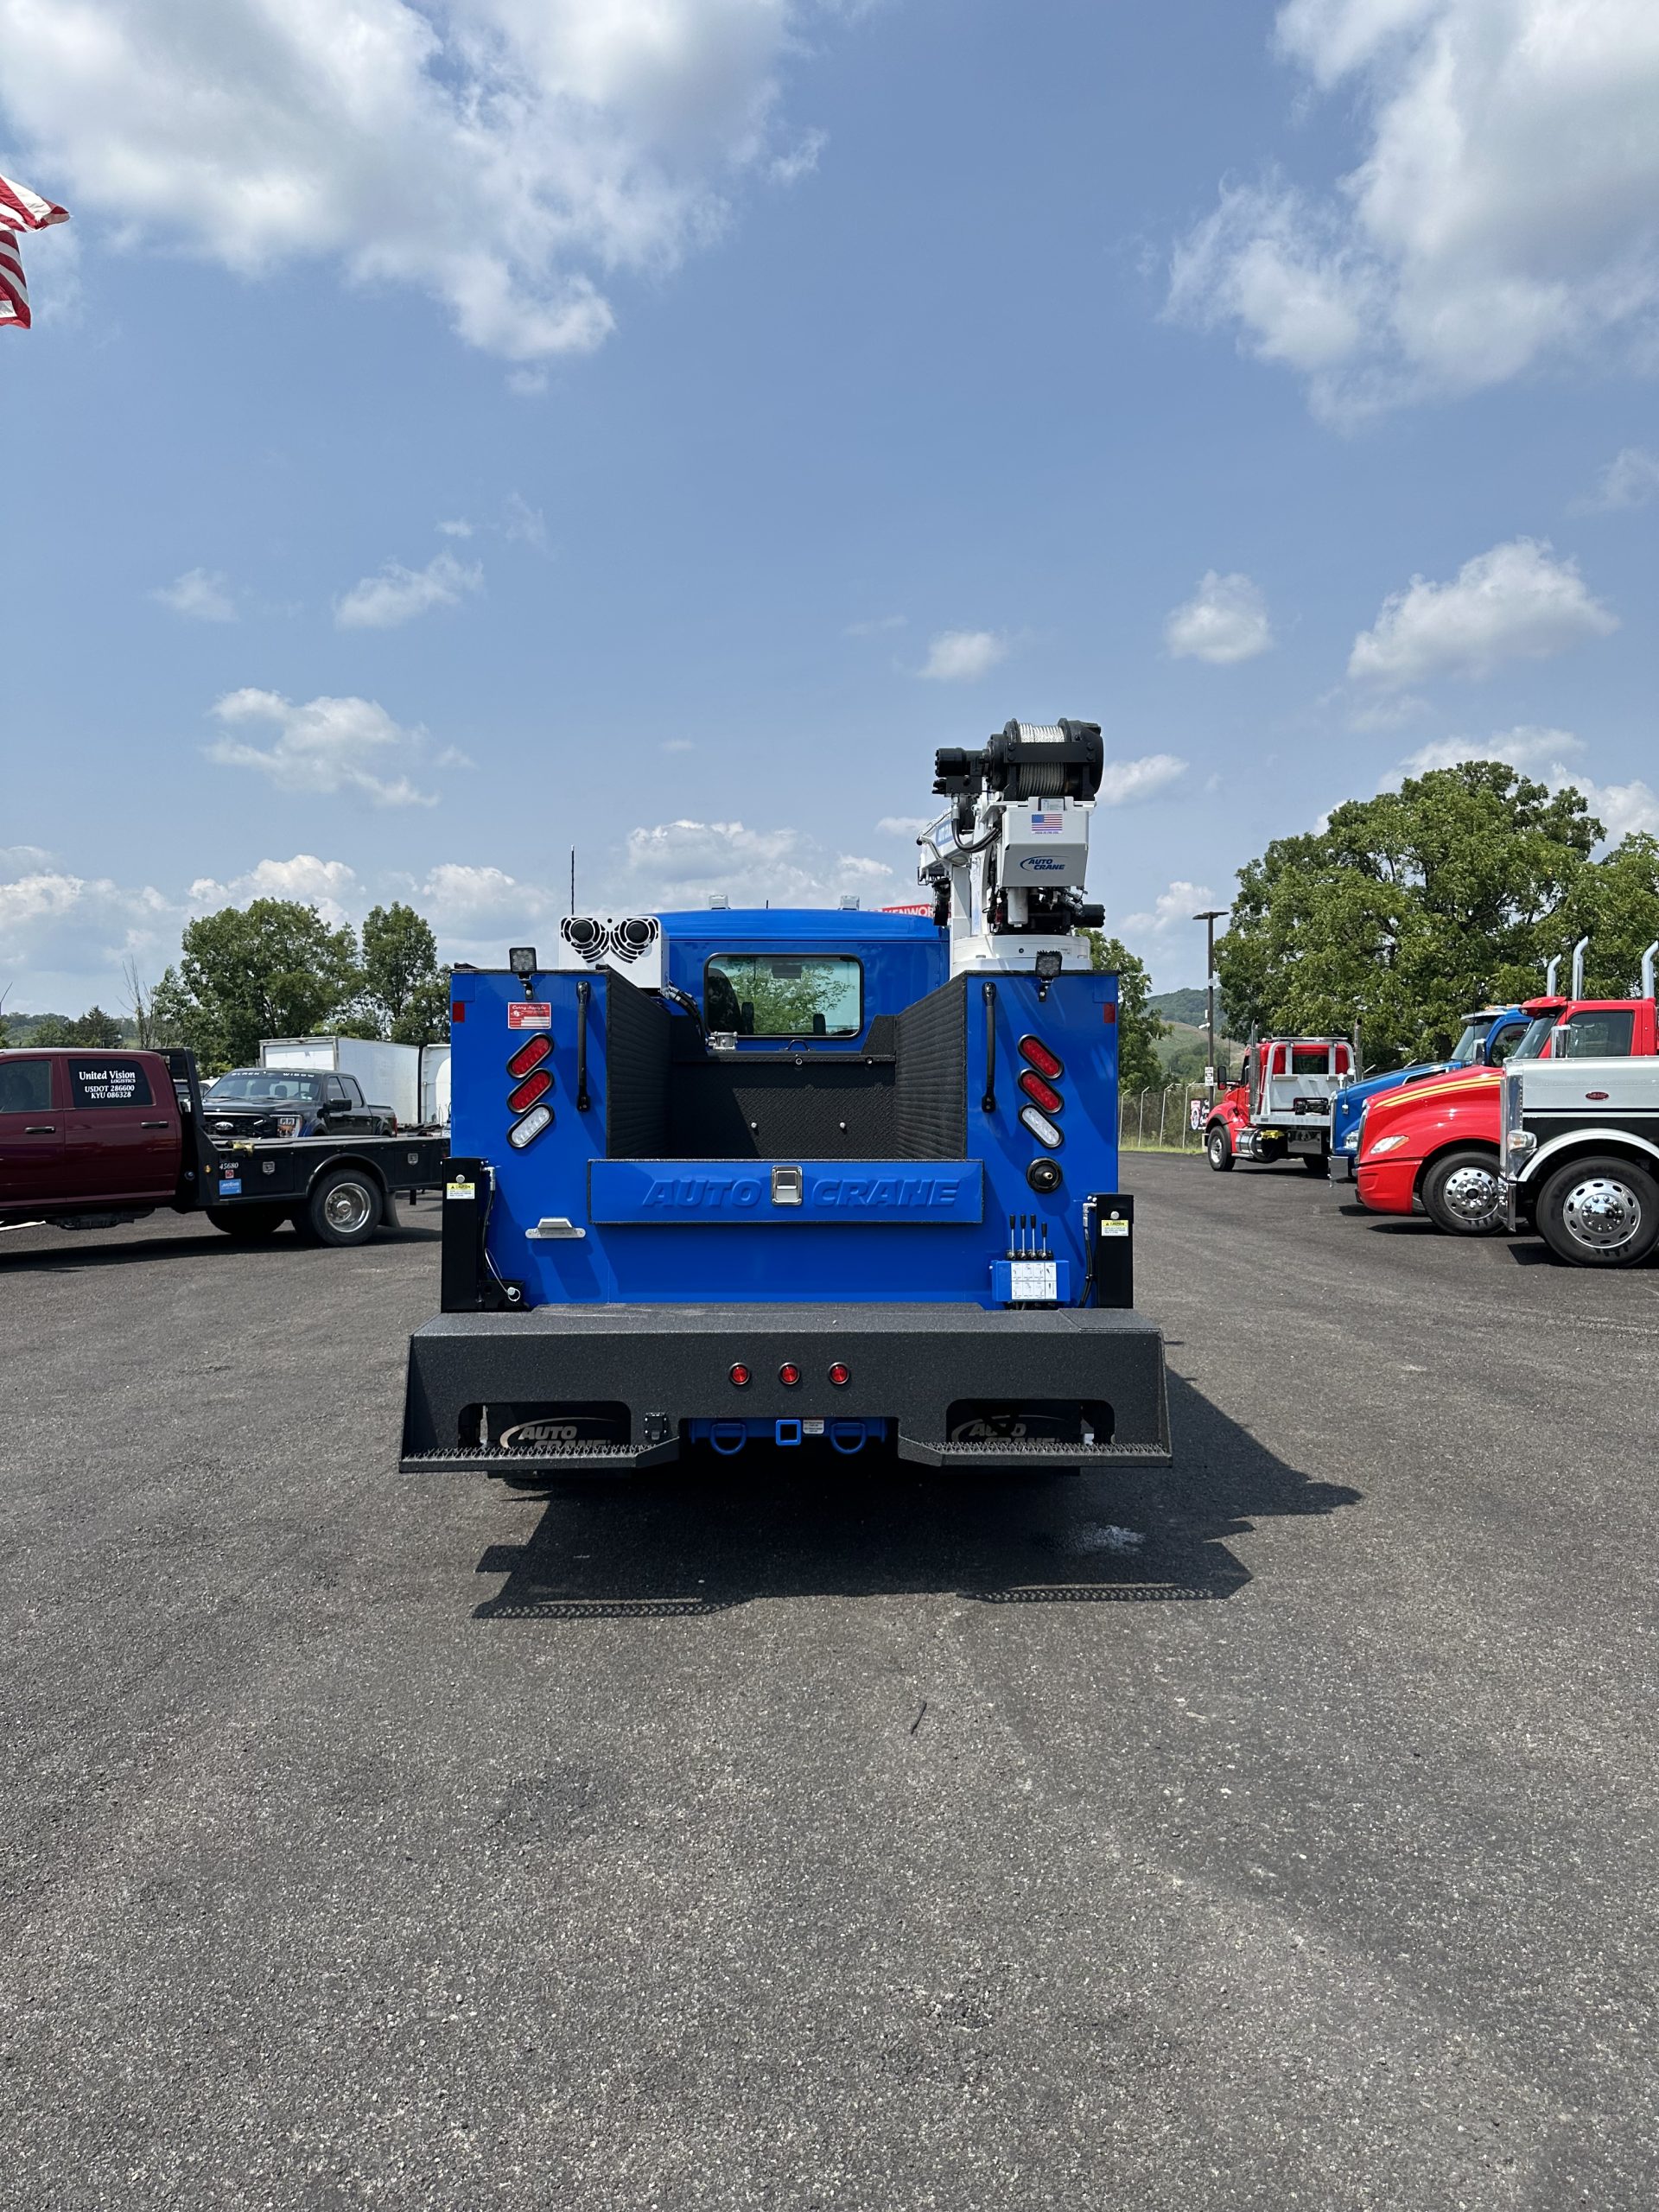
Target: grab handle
(988, 1104)
(584, 992)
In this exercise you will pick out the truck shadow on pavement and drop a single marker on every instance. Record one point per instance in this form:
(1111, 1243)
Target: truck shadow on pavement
(704, 1537)
(69, 1253)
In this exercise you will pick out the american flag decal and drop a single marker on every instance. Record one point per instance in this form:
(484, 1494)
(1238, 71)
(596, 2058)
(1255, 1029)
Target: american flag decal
(20, 210)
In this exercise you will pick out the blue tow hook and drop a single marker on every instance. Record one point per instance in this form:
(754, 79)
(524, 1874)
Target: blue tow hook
(849, 1436)
(728, 1438)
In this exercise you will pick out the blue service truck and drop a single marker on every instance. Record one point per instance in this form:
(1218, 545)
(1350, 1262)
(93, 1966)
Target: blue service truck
(819, 1179)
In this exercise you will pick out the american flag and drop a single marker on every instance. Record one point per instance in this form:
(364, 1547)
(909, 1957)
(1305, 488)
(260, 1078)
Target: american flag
(20, 210)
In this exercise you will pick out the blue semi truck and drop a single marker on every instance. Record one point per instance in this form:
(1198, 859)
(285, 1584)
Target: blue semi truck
(1489, 1037)
(824, 1180)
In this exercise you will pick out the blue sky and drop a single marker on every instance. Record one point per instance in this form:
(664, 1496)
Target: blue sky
(452, 433)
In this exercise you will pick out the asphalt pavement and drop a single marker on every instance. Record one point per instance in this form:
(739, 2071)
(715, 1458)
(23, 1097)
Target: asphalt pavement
(1274, 1830)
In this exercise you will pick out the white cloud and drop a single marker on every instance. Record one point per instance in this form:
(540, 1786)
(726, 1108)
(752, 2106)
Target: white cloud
(683, 863)
(904, 825)
(326, 746)
(1549, 755)
(456, 528)
(329, 886)
(57, 930)
(877, 627)
(1125, 782)
(1176, 906)
(1512, 603)
(800, 161)
(1381, 713)
(1527, 748)
(963, 656)
(1225, 621)
(1630, 480)
(1502, 212)
(524, 525)
(204, 596)
(1166, 936)
(1622, 809)
(678, 745)
(397, 594)
(507, 156)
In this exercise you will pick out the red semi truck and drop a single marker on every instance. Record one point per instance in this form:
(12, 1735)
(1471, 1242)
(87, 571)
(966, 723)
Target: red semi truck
(1281, 1106)
(1436, 1142)
(90, 1139)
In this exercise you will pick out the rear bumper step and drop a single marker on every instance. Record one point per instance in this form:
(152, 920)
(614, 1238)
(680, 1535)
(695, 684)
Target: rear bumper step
(473, 1376)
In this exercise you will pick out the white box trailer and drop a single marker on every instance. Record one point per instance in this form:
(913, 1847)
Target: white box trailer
(412, 1079)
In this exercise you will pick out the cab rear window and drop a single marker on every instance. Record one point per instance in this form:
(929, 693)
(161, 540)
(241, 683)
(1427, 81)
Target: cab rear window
(108, 1083)
(783, 994)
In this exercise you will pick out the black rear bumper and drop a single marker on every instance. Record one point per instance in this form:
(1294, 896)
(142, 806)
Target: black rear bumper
(912, 1365)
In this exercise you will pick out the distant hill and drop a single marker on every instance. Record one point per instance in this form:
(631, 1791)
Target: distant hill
(1187, 1006)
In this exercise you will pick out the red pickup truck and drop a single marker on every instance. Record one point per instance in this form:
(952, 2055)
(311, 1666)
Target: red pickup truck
(89, 1139)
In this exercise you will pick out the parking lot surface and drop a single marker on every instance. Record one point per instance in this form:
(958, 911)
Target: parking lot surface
(1277, 1829)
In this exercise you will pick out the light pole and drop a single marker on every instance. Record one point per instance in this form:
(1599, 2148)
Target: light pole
(1210, 917)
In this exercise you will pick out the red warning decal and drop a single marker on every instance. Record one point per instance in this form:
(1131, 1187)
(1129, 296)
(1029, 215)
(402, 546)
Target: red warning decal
(529, 1014)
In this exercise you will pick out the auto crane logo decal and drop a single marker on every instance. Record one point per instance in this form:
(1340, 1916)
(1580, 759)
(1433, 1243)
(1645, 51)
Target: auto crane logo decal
(844, 1193)
(1041, 864)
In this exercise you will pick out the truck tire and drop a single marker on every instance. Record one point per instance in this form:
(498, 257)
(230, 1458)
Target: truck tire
(344, 1208)
(247, 1224)
(1218, 1149)
(1600, 1212)
(1460, 1194)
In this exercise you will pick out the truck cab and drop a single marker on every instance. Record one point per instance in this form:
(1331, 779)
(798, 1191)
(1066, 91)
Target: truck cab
(1281, 1106)
(1436, 1143)
(1488, 1038)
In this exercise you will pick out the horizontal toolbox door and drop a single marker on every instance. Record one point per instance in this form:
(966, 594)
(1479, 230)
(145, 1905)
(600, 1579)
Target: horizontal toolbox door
(690, 1192)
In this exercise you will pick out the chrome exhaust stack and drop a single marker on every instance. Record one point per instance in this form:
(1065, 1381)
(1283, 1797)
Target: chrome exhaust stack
(1647, 969)
(1550, 974)
(1579, 951)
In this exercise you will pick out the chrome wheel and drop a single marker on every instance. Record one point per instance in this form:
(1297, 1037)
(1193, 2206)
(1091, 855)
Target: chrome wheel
(1601, 1213)
(347, 1208)
(1471, 1195)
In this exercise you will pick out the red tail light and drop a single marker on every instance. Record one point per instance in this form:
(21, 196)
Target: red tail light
(532, 1088)
(530, 1054)
(1045, 1062)
(740, 1375)
(789, 1374)
(840, 1376)
(1044, 1093)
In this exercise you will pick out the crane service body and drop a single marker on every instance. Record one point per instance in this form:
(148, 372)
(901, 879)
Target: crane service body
(814, 1178)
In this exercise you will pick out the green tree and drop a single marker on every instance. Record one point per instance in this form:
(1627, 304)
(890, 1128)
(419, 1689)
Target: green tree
(1408, 909)
(274, 969)
(425, 1017)
(1616, 905)
(94, 1027)
(1138, 1028)
(405, 995)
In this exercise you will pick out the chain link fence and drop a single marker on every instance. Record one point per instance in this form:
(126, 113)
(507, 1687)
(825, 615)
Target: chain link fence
(1162, 1120)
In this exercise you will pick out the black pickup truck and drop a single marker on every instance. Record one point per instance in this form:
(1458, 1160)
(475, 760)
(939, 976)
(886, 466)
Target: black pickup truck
(90, 1139)
(289, 1102)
